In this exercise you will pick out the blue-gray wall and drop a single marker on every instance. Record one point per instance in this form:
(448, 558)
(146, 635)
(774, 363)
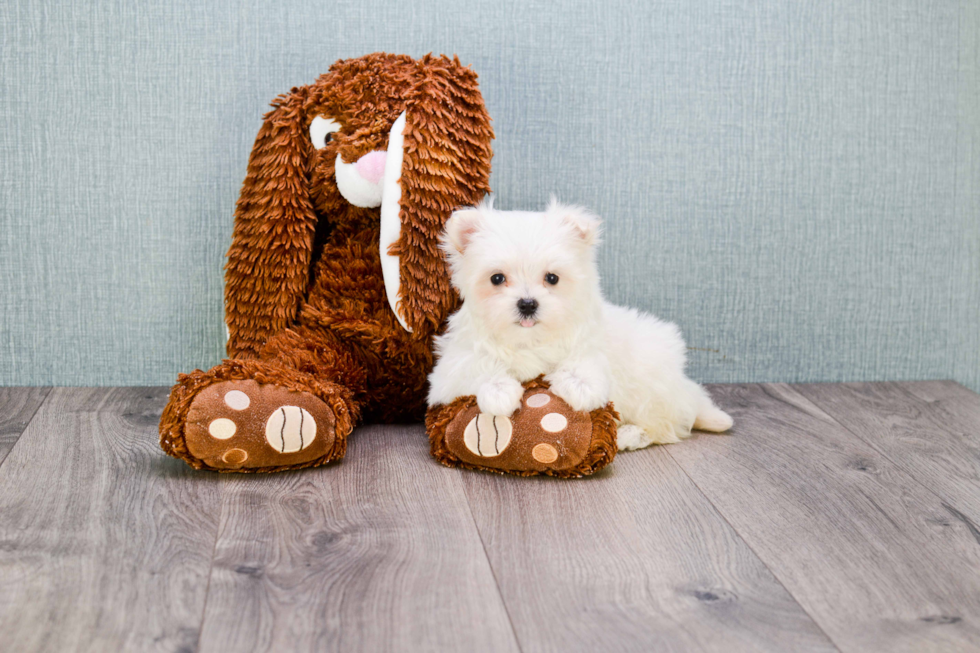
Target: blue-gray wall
(796, 183)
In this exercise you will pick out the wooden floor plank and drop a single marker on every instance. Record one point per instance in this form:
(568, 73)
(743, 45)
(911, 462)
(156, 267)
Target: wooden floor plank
(105, 543)
(378, 552)
(632, 559)
(17, 407)
(935, 440)
(952, 401)
(868, 551)
(862, 503)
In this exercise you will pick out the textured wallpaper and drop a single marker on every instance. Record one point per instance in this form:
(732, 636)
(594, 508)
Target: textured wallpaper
(796, 184)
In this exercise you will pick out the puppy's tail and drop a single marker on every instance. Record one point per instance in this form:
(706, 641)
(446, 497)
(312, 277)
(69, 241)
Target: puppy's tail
(710, 417)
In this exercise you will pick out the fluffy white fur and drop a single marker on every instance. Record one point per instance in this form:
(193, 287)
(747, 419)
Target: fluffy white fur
(589, 350)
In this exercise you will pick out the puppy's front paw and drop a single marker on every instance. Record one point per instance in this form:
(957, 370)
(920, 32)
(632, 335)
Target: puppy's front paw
(501, 396)
(579, 391)
(630, 437)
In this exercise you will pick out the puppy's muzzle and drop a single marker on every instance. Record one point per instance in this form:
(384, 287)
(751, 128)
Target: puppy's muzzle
(527, 307)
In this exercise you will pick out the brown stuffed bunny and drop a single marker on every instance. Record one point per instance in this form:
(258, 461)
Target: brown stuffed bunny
(335, 283)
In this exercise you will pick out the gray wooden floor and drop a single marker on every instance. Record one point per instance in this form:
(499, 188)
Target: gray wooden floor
(833, 517)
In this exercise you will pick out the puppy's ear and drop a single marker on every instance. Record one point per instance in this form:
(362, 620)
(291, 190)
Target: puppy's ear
(461, 227)
(585, 224)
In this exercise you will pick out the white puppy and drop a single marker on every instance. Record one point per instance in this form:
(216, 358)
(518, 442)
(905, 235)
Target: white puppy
(532, 305)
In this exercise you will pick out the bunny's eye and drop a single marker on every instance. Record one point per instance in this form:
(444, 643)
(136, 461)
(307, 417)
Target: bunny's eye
(322, 130)
(497, 279)
(551, 278)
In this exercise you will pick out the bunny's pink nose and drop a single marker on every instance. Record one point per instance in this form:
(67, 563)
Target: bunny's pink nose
(371, 166)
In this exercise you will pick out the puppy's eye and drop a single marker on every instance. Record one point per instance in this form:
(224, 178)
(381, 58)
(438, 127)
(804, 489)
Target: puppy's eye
(322, 130)
(551, 278)
(497, 279)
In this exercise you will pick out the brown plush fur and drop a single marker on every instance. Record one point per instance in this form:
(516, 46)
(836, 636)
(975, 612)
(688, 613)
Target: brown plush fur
(304, 291)
(601, 451)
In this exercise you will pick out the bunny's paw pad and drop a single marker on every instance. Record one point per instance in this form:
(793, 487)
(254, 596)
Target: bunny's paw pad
(544, 436)
(242, 424)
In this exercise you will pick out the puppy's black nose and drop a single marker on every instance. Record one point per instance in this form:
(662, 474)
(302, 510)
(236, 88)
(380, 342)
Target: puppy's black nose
(527, 306)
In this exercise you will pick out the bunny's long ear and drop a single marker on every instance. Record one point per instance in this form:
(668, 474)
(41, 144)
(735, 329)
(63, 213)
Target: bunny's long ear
(446, 165)
(268, 265)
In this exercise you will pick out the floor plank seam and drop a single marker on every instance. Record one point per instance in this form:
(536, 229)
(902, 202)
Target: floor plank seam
(752, 549)
(214, 552)
(27, 425)
(898, 464)
(486, 556)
